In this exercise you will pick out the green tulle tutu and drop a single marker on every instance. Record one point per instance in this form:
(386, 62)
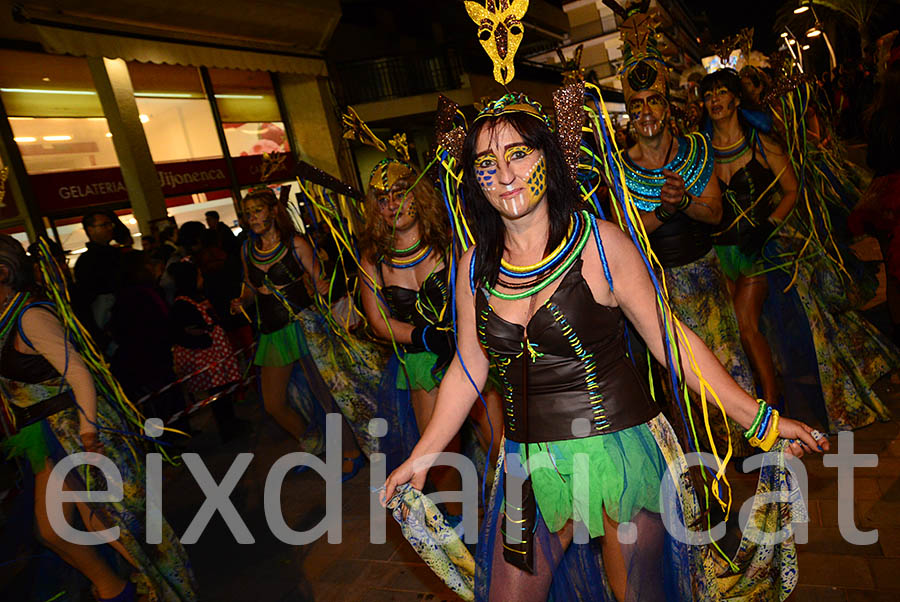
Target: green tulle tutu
(418, 367)
(623, 469)
(31, 442)
(282, 347)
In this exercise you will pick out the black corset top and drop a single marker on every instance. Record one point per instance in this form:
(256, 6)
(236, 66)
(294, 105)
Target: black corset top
(567, 370)
(421, 307)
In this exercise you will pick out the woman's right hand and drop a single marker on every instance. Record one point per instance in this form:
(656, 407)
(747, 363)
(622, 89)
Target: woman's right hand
(237, 304)
(407, 472)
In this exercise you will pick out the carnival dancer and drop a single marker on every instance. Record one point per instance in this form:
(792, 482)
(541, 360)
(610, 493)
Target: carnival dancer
(544, 295)
(759, 244)
(746, 161)
(278, 262)
(406, 248)
(61, 403)
(670, 180)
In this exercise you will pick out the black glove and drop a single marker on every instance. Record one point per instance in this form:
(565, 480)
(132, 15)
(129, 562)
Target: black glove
(439, 342)
(754, 241)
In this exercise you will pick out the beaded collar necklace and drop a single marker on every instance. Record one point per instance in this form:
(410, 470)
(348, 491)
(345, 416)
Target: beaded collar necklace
(530, 280)
(409, 257)
(268, 256)
(732, 152)
(693, 162)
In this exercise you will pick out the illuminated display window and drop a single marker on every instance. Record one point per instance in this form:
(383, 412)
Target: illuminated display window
(63, 144)
(175, 112)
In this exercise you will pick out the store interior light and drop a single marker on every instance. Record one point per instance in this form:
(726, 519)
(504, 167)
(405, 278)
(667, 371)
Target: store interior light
(805, 47)
(108, 135)
(804, 6)
(784, 34)
(38, 91)
(813, 31)
(163, 95)
(56, 138)
(241, 96)
(20, 118)
(144, 118)
(25, 139)
(792, 41)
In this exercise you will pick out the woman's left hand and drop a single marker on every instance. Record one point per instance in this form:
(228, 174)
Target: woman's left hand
(803, 437)
(91, 442)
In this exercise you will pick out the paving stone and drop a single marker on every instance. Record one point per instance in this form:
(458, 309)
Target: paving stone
(889, 540)
(828, 540)
(835, 570)
(808, 593)
(858, 595)
(886, 572)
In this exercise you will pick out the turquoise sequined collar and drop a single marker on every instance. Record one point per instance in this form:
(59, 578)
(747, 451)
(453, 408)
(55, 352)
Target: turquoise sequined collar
(693, 162)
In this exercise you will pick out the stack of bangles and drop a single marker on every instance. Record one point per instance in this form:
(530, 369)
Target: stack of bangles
(764, 431)
(663, 215)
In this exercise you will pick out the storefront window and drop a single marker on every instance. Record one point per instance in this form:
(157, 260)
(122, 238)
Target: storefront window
(176, 115)
(256, 138)
(63, 144)
(249, 111)
(35, 84)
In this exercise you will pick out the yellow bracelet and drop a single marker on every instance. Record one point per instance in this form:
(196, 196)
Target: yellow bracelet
(772, 436)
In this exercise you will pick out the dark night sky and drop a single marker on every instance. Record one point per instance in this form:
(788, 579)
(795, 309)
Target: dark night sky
(727, 17)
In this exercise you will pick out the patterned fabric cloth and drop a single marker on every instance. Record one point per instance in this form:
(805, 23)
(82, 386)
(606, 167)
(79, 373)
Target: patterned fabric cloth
(850, 354)
(218, 361)
(164, 571)
(434, 540)
(699, 297)
(337, 375)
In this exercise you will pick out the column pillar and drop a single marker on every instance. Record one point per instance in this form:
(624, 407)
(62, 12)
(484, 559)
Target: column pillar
(18, 186)
(314, 121)
(113, 83)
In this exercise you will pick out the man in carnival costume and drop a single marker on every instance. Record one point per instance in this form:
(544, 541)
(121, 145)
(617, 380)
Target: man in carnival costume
(679, 202)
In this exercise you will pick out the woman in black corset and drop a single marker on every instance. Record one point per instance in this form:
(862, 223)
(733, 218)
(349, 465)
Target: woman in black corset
(544, 296)
(746, 164)
(279, 266)
(405, 257)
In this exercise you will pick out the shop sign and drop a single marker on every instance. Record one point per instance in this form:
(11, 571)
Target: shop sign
(65, 191)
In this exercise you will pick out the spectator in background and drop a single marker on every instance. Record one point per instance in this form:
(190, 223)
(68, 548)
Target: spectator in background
(168, 241)
(95, 275)
(227, 240)
(139, 327)
(202, 349)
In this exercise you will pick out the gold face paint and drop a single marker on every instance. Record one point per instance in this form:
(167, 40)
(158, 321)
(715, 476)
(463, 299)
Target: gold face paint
(655, 103)
(519, 151)
(500, 32)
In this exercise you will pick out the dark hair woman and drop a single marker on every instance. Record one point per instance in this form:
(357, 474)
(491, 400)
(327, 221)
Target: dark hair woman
(49, 396)
(758, 235)
(544, 295)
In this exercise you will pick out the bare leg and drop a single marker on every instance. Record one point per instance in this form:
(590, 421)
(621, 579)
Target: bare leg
(749, 296)
(613, 559)
(445, 478)
(480, 417)
(510, 584)
(274, 384)
(84, 558)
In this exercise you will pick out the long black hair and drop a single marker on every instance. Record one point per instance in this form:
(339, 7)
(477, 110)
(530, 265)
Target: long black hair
(748, 117)
(485, 222)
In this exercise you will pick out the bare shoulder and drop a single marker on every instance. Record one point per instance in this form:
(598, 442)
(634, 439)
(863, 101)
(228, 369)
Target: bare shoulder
(771, 145)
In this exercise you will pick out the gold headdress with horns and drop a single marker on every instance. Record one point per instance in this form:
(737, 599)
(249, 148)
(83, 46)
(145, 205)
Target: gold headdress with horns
(388, 170)
(643, 67)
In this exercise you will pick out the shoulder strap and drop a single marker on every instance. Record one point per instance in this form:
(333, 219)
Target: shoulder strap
(472, 271)
(22, 314)
(602, 252)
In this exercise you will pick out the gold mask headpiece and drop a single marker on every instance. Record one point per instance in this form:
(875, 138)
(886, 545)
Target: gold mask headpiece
(643, 67)
(500, 32)
(387, 171)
